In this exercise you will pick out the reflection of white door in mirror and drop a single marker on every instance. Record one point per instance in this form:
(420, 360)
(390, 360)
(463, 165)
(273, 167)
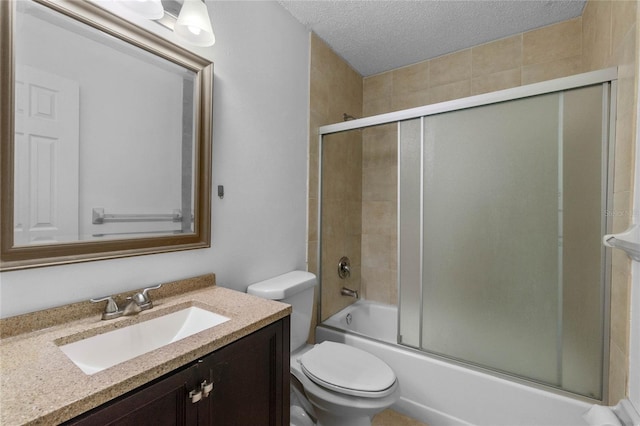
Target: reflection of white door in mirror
(46, 158)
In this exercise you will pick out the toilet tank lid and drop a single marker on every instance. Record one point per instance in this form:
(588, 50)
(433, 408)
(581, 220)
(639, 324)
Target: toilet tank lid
(283, 286)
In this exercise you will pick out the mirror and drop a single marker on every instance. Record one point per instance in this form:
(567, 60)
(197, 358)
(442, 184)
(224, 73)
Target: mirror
(106, 137)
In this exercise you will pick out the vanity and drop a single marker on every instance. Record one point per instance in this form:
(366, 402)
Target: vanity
(233, 373)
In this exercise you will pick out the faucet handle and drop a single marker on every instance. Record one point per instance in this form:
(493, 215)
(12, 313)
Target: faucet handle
(142, 299)
(146, 290)
(344, 267)
(111, 310)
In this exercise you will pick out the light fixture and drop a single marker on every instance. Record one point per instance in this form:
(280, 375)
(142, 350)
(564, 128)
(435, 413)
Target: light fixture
(150, 9)
(193, 24)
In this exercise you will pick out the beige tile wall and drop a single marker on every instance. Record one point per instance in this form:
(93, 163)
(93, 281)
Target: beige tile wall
(379, 214)
(341, 217)
(335, 89)
(605, 35)
(610, 38)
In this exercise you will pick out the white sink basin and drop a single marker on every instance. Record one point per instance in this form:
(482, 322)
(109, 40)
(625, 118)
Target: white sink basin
(102, 351)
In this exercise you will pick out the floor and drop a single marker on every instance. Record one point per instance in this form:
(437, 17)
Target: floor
(393, 418)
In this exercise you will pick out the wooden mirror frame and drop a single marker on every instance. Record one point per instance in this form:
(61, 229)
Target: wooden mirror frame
(21, 257)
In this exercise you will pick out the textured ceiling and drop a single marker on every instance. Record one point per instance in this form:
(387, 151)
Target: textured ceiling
(376, 35)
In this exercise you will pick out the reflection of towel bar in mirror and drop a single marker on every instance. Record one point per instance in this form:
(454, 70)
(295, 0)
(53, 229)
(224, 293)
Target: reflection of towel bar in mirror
(137, 233)
(100, 217)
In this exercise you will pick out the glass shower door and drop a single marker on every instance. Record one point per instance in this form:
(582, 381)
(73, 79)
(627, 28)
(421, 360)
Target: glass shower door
(501, 264)
(491, 237)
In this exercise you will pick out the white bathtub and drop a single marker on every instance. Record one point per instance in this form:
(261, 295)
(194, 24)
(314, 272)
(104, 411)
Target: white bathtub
(437, 392)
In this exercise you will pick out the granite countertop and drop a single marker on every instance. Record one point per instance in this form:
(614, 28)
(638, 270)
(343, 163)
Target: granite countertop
(39, 385)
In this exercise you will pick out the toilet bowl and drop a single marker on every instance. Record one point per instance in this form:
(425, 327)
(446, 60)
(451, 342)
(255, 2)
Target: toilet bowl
(347, 394)
(341, 385)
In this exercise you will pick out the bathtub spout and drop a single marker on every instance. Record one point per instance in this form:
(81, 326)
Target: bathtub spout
(348, 292)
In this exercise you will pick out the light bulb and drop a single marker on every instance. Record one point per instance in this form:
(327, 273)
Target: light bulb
(194, 25)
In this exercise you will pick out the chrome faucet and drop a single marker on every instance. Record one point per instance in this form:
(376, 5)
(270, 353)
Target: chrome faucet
(348, 292)
(140, 301)
(132, 308)
(137, 303)
(111, 311)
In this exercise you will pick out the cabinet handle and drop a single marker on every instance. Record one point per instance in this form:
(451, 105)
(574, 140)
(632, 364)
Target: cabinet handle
(206, 388)
(195, 395)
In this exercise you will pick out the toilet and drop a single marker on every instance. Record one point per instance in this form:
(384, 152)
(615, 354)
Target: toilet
(333, 383)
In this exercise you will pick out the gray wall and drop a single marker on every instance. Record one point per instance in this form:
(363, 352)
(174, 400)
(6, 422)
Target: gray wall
(261, 92)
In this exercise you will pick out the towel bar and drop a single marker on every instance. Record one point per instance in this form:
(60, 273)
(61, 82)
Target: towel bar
(100, 217)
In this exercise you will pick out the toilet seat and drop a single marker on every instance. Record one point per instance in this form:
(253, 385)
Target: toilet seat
(348, 370)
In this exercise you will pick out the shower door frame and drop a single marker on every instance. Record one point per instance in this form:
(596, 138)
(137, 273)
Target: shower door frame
(603, 77)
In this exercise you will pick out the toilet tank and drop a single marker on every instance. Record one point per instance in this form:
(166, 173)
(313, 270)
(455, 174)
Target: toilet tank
(296, 289)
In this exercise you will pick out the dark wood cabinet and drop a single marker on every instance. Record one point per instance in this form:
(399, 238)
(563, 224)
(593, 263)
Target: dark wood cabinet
(245, 383)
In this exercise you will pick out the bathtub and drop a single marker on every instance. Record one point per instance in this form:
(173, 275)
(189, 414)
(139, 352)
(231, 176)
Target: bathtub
(438, 392)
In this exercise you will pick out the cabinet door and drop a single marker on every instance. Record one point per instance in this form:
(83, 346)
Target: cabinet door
(251, 388)
(164, 403)
(251, 380)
